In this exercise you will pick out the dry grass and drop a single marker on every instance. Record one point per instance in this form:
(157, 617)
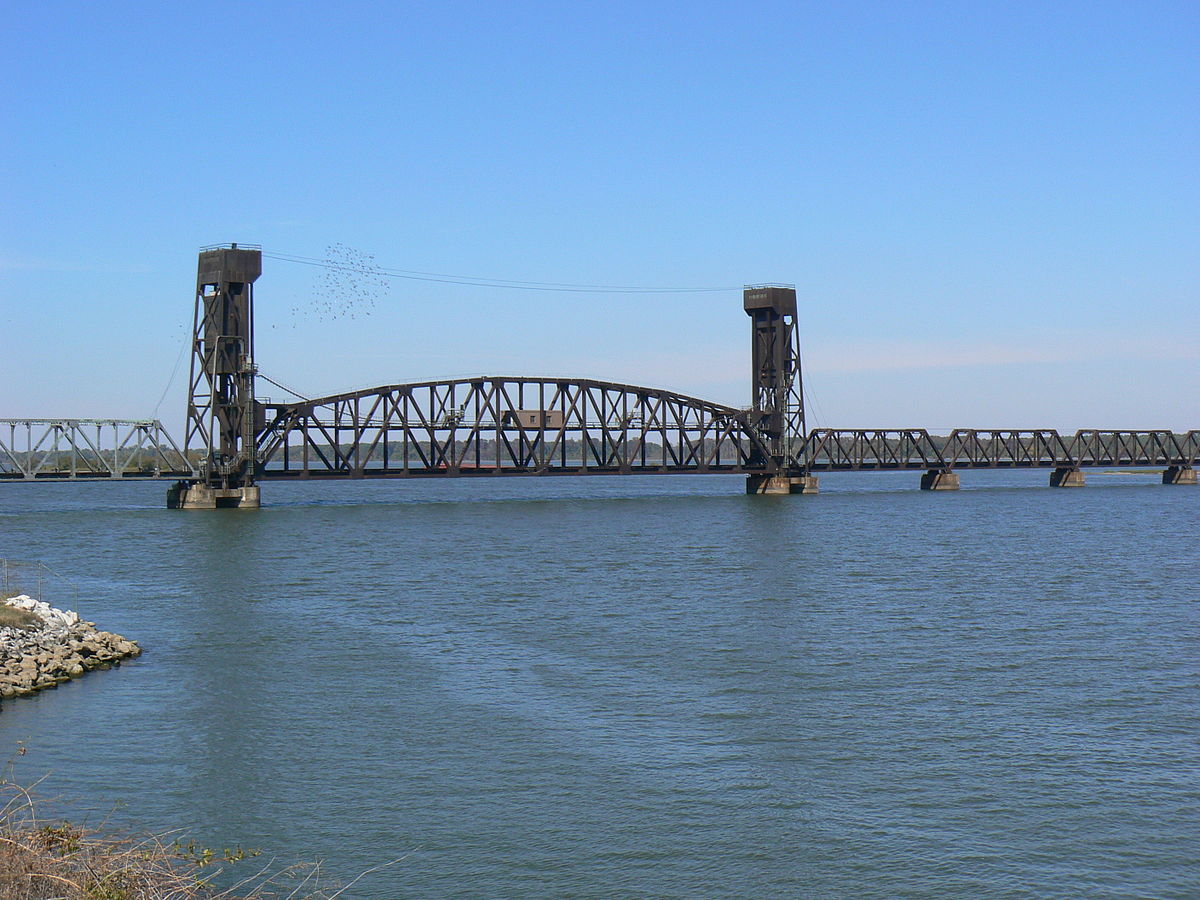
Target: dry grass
(55, 860)
(11, 617)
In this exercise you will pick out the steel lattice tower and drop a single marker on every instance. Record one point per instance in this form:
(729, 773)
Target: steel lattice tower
(222, 413)
(777, 392)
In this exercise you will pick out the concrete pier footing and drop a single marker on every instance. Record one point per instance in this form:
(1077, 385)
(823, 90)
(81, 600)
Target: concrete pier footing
(939, 480)
(1179, 475)
(782, 484)
(184, 495)
(1066, 476)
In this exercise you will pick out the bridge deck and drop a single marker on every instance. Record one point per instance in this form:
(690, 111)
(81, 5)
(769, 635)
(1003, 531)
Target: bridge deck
(625, 431)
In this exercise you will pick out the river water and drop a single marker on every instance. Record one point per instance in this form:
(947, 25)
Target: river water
(642, 686)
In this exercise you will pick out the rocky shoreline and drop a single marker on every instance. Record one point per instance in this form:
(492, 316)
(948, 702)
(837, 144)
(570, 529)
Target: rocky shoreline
(36, 656)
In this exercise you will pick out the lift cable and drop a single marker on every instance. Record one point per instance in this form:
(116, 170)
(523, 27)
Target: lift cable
(474, 281)
(283, 387)
(170, 379)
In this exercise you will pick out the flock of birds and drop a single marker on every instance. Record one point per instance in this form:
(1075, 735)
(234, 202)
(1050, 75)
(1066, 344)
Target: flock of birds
(350, 286)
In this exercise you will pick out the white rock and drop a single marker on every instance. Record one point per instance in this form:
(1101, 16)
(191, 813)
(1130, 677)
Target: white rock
(56, 619)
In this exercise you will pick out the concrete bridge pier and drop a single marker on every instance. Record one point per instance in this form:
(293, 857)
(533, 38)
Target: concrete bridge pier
(1179, 475)
(193, 495)
(1067, 476)
(782, 484)
(939, 480)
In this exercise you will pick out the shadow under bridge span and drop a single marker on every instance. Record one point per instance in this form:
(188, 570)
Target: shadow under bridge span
(506, 426)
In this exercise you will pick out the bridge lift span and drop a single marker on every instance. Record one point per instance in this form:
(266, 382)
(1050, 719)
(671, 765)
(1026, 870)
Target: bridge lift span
(487, 426)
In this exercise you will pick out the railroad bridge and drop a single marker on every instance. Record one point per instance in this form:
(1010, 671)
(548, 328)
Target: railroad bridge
(509, 426)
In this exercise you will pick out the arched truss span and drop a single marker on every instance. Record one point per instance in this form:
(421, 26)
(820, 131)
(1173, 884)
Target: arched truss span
(506, 426)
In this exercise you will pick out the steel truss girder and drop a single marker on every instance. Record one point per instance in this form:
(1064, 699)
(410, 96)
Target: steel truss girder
(829, 449)
(470, 427)
(89, 450)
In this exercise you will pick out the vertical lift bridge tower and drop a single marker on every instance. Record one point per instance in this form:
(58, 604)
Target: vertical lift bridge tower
(777, 388)
(223, 418)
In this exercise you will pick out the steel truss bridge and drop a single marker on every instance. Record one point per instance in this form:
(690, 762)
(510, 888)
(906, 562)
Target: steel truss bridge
(499, 426)
(831, 450)
(89, 449)
(422, 430)
(506, 426)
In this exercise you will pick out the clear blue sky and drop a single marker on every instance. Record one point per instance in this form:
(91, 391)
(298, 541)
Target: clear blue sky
(990, 210)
